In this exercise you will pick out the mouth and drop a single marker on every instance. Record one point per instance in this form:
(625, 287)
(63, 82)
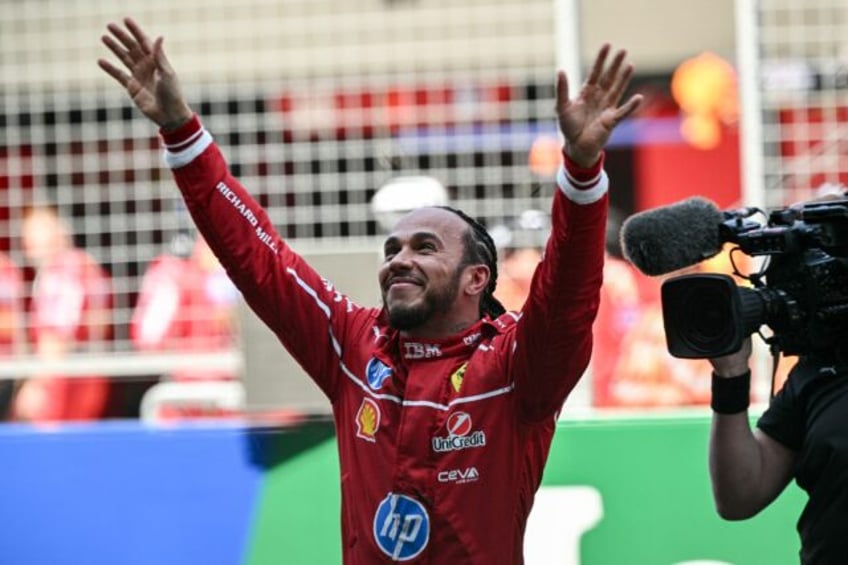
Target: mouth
(403, 283)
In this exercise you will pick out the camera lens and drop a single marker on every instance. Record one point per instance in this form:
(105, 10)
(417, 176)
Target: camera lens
(708, 316)
(700, 316)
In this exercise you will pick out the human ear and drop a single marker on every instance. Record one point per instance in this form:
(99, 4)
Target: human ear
(477, 279)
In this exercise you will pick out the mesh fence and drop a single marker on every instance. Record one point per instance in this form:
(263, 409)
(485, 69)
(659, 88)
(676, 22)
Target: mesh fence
(316, 104)
(803, 55)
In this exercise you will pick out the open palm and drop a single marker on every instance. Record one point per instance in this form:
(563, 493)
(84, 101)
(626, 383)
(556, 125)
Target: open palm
(149, 78)
(587, 121)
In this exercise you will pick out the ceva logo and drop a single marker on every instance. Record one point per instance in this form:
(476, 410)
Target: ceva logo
(459, 476)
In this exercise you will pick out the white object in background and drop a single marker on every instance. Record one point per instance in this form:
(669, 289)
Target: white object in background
(560, 517)
(402, 195)
(201, 397)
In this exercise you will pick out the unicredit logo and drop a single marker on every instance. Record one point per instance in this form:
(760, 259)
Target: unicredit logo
(459, 435)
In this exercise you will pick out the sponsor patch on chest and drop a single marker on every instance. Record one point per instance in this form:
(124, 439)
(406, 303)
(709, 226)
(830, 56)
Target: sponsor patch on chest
(461, 434)
(459, 476)
(401, 527)
(368, 420)
(413, 350)
(458, 376)
(377, 373)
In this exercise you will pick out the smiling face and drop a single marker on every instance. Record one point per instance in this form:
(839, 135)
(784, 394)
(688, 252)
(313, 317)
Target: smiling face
(423, 275)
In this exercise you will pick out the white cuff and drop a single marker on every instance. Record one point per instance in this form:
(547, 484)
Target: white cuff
(186, 142)
(177, 159)
(579, 192)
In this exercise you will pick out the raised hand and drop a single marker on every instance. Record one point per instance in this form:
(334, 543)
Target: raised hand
(149, 78)
(587, 121)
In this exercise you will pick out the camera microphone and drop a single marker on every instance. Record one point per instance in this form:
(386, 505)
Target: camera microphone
(669, 238)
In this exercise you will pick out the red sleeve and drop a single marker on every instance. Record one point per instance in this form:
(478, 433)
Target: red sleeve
(306, 313)
(554, 335)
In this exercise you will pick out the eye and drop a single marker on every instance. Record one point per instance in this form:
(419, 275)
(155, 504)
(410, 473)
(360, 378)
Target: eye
(389, 251)
(428, 246)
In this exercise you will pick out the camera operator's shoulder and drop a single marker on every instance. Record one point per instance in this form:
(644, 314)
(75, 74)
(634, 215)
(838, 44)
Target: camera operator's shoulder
(811, 373)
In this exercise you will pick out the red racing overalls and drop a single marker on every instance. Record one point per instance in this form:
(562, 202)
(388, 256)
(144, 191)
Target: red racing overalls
(441, 443)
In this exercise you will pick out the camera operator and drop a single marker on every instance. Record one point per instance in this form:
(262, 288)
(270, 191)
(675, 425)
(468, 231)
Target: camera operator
(801, 294)
(802, 435)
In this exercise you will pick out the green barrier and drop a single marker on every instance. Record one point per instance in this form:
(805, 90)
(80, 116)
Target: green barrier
(615, 491)
(654, 485)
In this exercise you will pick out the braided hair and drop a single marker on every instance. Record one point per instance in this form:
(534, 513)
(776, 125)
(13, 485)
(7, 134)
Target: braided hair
(480, 248)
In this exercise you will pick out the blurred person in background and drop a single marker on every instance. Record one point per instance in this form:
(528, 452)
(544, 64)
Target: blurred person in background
(444, 404)
(70, 311)
(618, 312)
(187, 303)
(12, 320)
(631, 366)
(520, 244)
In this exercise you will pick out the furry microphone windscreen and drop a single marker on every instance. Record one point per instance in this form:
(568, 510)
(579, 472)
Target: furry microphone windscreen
(669, 238)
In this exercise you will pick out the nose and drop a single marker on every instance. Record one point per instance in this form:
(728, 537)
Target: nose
(401, 261)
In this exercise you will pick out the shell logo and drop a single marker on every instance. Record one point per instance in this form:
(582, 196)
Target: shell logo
(368, 420)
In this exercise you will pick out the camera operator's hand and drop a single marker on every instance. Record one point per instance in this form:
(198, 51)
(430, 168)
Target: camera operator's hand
(734, 364)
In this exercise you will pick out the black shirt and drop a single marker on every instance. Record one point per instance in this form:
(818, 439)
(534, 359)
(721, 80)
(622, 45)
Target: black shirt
(810, 416)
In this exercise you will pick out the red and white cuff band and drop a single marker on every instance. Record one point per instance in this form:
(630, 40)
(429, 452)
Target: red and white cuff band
(176, 158)
(582, 191)
(184, 144)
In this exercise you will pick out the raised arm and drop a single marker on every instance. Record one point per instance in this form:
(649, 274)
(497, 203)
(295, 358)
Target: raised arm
(308, 315)
(554, 340)
(748, 469)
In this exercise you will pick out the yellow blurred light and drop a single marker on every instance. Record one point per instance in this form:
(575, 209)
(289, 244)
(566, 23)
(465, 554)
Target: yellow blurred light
(545, 156)
(701, 131)
(705, 89)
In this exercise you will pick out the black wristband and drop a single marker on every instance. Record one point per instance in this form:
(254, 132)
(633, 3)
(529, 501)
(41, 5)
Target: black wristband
(731, 395)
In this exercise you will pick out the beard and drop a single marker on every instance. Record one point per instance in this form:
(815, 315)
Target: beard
(407, 317)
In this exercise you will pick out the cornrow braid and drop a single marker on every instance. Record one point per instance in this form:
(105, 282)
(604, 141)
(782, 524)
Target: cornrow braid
(480, 248)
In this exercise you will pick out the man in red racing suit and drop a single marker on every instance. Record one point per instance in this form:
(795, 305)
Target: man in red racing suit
(444, 415)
